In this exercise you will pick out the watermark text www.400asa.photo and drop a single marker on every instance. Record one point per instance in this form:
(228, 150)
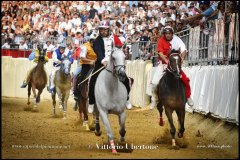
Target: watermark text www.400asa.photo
(41, 146)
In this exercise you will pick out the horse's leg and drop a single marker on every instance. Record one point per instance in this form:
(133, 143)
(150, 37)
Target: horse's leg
(80, 110)
(85, 114)
(38, 96)
(160, 109)
(181, 117)
(29, 92)
(97, 124)
(35, 97)
(122, 131)
(59, 97)
(64, 104)
(104, 117)
(168, 112)
(54, 103)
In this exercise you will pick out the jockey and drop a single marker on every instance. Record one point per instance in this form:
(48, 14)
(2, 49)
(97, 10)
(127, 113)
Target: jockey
(103, 48)
(87, 60)
(57, 60)
(33, 56)
(165, 43)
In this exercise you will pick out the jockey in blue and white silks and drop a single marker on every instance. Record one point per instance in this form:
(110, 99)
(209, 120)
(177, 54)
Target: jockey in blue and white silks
(57, 60)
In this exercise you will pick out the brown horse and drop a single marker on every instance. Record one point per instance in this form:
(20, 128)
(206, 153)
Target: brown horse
(171, 94)
(38, 78)
(82, 93)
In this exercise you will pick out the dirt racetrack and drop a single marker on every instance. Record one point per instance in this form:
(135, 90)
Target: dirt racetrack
(27, 134)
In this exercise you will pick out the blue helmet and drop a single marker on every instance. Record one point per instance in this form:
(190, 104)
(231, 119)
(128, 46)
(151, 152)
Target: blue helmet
(207, 2)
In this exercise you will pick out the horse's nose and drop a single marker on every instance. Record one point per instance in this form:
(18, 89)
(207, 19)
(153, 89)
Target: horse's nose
(122, 76)
(66, 71)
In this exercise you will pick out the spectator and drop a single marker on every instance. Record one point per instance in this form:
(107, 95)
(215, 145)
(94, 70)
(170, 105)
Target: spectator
(48, 46)
(7, 44)
(92, 12)
(23, 45)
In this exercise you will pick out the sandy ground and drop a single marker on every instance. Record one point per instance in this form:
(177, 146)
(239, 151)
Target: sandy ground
(27, 134)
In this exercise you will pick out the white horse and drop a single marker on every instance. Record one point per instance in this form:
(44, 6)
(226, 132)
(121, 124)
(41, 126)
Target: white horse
(111, 95)
(62, 81)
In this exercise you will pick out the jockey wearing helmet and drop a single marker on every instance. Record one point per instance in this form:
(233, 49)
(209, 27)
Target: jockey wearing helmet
(167, 42)
(33, 56)
(103, 46)
(57, 60)
(87, 60)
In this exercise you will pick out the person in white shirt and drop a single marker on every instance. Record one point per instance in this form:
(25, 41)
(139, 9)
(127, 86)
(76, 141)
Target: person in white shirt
(48, 46)
(23, 45)
(76, 20)
(7, 44)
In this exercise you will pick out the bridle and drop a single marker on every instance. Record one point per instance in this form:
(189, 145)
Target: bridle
(63, 65)
(114, 66)
(169, 67)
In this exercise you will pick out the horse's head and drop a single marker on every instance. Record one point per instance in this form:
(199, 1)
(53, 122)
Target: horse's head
(66, 65)
(117, 62)
(174, 65)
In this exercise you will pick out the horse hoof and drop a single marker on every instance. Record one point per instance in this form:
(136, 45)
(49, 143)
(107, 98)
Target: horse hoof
(98, 133)
(114, 151)
(28, 103)
(180, 135)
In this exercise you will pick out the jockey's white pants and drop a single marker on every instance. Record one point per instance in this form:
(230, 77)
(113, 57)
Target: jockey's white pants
(155, 81)
(52, 75)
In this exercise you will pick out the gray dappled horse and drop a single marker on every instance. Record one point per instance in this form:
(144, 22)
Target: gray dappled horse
(171, 95)
(62, 82)
(37, 77)
(111, 95)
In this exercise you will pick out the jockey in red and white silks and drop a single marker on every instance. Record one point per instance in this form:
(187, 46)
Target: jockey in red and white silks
(168, 42)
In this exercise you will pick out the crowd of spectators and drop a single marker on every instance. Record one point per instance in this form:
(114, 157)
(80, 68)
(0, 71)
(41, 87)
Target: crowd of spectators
(135, 21)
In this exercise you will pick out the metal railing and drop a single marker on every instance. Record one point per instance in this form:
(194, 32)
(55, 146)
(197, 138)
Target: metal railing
(220, 46)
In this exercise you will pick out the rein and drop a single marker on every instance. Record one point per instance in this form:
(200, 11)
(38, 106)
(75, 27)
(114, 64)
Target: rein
(169, 67)
(91, 75)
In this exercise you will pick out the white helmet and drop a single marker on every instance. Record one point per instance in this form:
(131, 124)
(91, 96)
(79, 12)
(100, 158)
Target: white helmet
(104, 24)
(93, 36)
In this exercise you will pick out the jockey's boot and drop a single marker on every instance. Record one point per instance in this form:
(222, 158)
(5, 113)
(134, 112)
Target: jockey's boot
(190, 102)
(90, 108)
(128, 105)
(75, 89)
(24, 85)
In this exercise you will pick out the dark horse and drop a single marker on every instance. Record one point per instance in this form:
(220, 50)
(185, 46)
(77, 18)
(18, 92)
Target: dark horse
(171, 94)
(82, 93)
(38, 78)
